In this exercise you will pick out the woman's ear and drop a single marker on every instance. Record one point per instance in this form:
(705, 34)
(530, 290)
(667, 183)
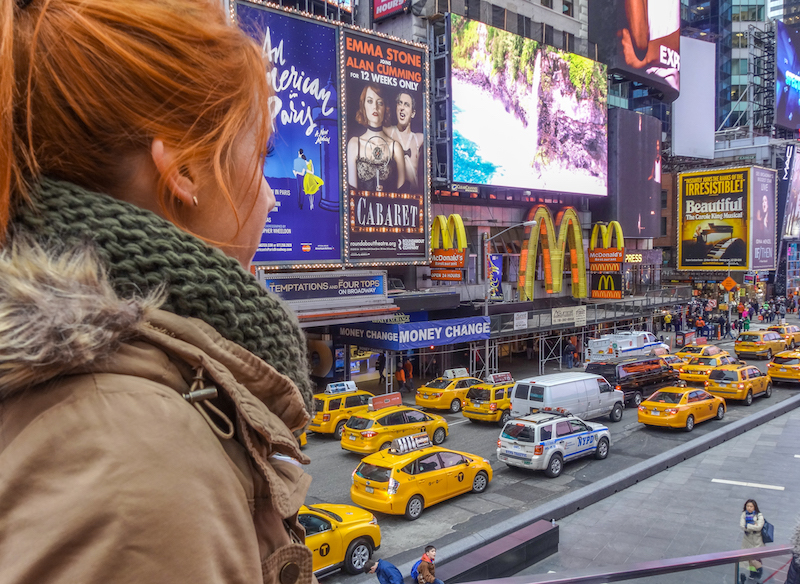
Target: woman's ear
(180, 185)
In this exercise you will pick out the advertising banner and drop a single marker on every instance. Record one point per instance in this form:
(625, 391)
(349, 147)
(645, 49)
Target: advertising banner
(524, 114)
(787, 80)
(318, 286)
(383, 9)
(713, 219)
(414, 335)
(385, 97)
(640, 39)
(791, 221)
(763, 233)
(495, 276)
(572, 315)
(607, 286)
(447, 275)
(304, 168)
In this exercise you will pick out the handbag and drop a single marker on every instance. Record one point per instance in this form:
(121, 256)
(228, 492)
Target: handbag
(768, 532)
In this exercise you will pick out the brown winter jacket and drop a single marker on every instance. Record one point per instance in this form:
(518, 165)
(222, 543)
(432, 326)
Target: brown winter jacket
(107, 474)
(426, 571)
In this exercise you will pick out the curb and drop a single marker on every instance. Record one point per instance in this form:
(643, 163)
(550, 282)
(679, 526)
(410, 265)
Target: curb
(585, 496)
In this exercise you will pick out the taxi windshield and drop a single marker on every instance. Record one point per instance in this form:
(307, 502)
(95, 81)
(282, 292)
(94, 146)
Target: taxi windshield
(724, 375)
(749, 338)
(786, 361)
(371, 472)
(357, 423)
(777, 329)
(440, 383)
(325, 512)
(480, 394)
(519, 432)
(692, 349)
(667, 397)
(701, 361)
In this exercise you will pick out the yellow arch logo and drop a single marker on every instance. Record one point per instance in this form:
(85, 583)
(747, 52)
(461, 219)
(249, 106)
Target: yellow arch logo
(606, 283)
(448, 230)
(553, 251)
(606, 232)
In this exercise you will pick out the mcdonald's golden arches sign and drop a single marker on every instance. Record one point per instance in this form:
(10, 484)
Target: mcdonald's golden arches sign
(449, 245)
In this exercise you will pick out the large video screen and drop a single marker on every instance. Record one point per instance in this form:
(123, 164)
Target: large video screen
(641, 39)
(787, 80)
(791, 220)
(635, 157)
(526, 115)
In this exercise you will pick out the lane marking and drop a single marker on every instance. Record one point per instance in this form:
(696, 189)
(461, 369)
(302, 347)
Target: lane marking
(457, 422)
(753, 485)
(797, 455)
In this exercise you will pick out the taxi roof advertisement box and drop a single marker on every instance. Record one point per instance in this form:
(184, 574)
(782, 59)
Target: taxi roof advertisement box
(693, 112)
(726, 219)
(386, 152)
(304, 170)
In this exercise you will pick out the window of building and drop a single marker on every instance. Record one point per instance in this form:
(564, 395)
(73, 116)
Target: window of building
(523, 26)
(739, 40)
(663, 227)
(737, 91)
(739, 67)
(498, 17)
(566, 8)
(547, 3)
(548, 35)
(663, 199)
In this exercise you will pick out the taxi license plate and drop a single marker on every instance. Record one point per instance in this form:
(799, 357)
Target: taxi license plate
(656, 413)
(351, 437)
(425, 395)
(783, 370)
(369, 489)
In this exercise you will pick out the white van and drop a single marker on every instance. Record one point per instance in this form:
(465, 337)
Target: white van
(584, 395)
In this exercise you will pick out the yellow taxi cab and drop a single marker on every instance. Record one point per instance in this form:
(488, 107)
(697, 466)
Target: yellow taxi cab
(339, 536)
(446, 392)
(490, 401)
(674, 361)
(740, 382)
(413, 474)
(701, 350)
(387, 420)
(785, 367)
(335, 406)
(789, 332)
(758, 343)
(698, 368)
(680, 407)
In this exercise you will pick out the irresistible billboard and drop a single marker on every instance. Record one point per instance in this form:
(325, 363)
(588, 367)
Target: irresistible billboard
(386, 155)
(763, 231)
(526, 115)
(713, 219)
(791, 174)
(787, 78)
(635, 171)
(305, 227)
(640, 39)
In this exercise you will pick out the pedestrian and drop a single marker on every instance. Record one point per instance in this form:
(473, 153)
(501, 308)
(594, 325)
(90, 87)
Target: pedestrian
(386, 572)
(793, 576)
(667, 322)
(380, 366)
(132, 201)
(408, 368)
(747, 323)
(751, 522)
(569, 354)
(700, 326)
(400, 376)
(427, 569)
(529, 348)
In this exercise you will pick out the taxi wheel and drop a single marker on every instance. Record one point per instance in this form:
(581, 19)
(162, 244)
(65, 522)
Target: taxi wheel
(602, 449)
(689, 423)
(616, 413)
(637, 398)
(555, 466)
(339, 429)
(414, 508)
(720, 411)
(748, 400)
(480, 482)
(791, 346)
(768, 390)
(504, 417)
(385, 446)
(358, 552)
(769, 354)
(455, 406)
(438, 436)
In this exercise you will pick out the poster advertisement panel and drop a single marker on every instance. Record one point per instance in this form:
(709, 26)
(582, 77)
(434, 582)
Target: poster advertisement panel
(640, 39)
(386, 170)
(495, 276)
(305, 227)
(791, 169)
(763, 202)
(524, 114)
(713, 219)
(787, 78)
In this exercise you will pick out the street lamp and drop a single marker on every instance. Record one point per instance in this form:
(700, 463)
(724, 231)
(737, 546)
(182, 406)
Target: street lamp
(488, 292)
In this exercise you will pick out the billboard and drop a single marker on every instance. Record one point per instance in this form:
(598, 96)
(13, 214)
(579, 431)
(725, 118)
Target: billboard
(305, 227)
(607, 286)
(763, 230)
(635, 171)
(791, 221)
(787, 78)
(547, 111)
(713, 219)
(386, 154)
(693, 115)
(640, 39)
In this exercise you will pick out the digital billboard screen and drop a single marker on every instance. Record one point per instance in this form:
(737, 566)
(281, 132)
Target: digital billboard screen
(640, 39)
(305, 227)
(526, 115)
(635, 171)
(386, 153)
(791, 221)
(763, 230)
(787, 79)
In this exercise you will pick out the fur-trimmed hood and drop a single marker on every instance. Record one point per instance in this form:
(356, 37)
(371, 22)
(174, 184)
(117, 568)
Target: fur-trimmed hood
(58, 313)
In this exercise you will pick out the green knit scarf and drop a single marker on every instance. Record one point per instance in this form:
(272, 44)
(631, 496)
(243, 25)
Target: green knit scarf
(142, 251)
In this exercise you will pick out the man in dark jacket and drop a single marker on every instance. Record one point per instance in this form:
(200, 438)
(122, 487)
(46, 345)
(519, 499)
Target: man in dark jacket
(427, 569)
(386, 572)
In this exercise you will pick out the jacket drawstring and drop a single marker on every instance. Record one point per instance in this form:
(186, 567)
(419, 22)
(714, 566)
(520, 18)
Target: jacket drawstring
(199, 397)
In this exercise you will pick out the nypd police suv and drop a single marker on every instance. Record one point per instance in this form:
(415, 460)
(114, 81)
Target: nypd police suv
(546, 439)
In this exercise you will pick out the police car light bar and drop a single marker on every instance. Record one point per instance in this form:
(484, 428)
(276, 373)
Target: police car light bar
(453, 373)
(341, 387)
(497, 378)
(549, 410)
(388, 400)
(410, 443)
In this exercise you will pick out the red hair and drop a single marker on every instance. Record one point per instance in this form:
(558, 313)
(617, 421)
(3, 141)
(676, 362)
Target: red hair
(84, 83)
